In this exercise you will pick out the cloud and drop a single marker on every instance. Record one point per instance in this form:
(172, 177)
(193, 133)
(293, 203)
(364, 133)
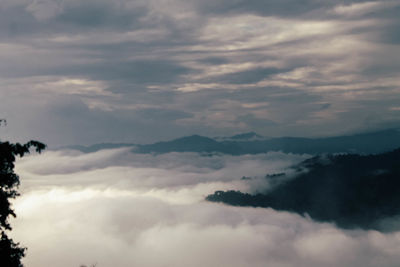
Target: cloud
(83, 72)
(143, 170)
(118, 208)
(135, 57)
(280, 8)
(358, 9)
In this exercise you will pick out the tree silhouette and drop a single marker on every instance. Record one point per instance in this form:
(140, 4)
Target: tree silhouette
(10, 252)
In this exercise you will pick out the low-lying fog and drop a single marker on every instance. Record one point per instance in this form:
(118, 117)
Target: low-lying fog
(121, 209)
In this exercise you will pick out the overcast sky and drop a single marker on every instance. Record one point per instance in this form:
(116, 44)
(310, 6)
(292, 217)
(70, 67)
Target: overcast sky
(83, 72)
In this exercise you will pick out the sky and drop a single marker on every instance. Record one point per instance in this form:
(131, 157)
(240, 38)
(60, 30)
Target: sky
(92, 71)
(117, 208)
(84, 72)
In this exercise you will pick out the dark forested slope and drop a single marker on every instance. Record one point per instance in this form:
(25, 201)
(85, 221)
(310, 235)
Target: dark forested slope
(351, 190)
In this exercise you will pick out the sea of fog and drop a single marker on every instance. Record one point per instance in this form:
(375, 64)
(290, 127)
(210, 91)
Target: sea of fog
(117, 208)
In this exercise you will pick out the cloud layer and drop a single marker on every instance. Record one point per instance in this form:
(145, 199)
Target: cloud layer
(117, 70)
(117, 208)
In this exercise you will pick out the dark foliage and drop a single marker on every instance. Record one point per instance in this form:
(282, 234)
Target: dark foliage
(352, 191)
(10, 252)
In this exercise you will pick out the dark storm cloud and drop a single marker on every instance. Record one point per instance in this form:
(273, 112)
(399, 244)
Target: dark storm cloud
(391, 34)
(16, 21)
(99, 14)
(55, 17)
(285, 8)
(144, 71)
(214, 60)
(247, 77)
(274, 7)
(228, 66)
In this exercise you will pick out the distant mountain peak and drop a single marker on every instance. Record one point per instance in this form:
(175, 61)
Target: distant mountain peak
(246, 136)
(194, 137)
(249, 136)
(193, 143)
(252, 143)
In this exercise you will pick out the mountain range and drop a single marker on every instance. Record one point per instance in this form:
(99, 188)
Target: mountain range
(252, 143)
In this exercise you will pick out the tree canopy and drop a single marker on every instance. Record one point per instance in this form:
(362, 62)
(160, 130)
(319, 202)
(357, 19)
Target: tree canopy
(11, 253)
(353, 191)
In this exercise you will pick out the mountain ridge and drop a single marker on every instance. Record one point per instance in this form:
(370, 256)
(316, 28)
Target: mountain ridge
(352, 191)
(363, 143)
(375, 142)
